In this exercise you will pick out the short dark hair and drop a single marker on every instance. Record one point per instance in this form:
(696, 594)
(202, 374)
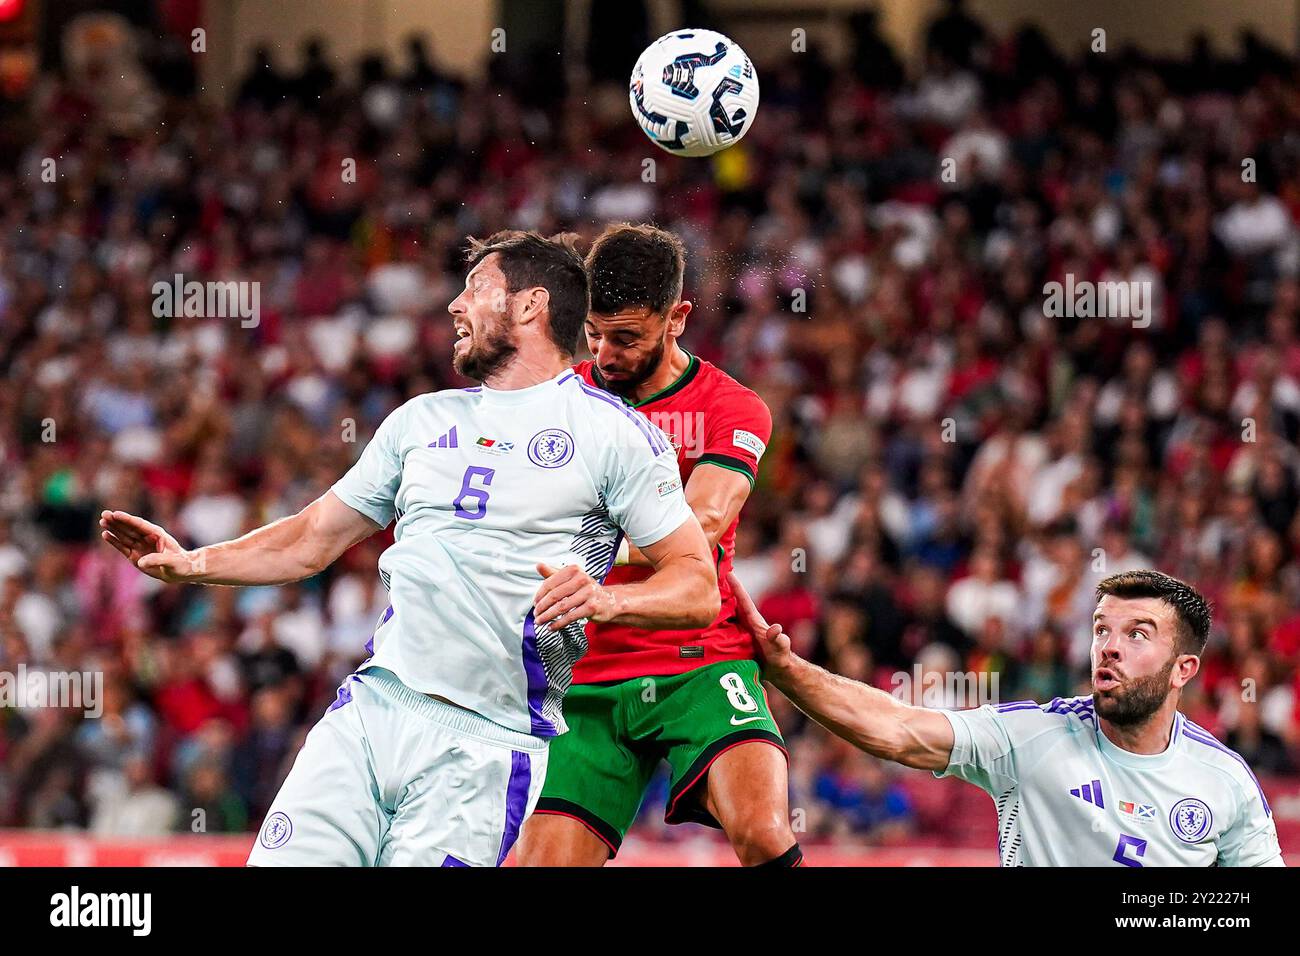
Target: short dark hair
(635, 266)
(529, 259)
(1189, 604)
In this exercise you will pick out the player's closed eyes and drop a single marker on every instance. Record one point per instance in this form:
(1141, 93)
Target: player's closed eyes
(621, 341)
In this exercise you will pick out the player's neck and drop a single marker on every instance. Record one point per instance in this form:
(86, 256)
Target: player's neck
(670, 370)
(526, 371)
(1147, 738)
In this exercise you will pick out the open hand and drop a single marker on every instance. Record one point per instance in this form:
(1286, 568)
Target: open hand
(148, 547)
(772, 642)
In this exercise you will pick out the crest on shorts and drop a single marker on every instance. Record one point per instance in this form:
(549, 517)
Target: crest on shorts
(551, 448)
(1190, 819)
(276, 831)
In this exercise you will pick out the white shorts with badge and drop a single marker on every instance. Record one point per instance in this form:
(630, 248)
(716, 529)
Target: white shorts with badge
(392, 777)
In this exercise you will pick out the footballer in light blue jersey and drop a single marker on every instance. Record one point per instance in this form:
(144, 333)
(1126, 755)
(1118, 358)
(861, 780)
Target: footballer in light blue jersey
(484, 484)
(1067, 796)
(1118, 778)
(509, 499)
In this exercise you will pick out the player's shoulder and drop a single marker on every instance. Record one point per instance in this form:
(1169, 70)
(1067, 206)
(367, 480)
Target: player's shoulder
(721, 385)
(1072, 710)
(443, 396)
(608, 416)
(737, 415)
(1202, 747)
(1069, 714)
(437, 401)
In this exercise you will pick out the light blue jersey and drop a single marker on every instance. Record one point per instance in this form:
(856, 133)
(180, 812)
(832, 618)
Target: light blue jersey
(1067, 796)
(484, 485)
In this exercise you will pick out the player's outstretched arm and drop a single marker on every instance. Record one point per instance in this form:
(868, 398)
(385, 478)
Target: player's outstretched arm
(682, 593)
(866, 717)
(287, 550)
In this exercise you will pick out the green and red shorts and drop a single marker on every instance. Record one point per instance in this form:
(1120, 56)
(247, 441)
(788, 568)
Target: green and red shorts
(598, 771)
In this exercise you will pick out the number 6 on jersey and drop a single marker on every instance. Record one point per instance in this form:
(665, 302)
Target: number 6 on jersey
(469, 491)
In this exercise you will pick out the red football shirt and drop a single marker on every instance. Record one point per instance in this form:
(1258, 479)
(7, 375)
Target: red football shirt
(712, 420)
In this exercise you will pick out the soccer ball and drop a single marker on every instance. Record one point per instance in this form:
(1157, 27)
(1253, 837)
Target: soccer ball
(694, 92)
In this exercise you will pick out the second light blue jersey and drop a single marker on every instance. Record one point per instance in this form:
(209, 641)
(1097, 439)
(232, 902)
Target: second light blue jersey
(1067, 796)
(485, 484)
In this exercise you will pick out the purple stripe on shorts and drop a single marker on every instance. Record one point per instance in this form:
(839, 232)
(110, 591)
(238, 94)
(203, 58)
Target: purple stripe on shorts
(521, 775)
(452, 861)
(536, 676)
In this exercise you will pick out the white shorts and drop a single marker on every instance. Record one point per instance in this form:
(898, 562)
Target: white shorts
(392, 777)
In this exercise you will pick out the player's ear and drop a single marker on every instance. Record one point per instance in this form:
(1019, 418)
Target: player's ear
(1185, 668)
(677, 318)
(532, 304)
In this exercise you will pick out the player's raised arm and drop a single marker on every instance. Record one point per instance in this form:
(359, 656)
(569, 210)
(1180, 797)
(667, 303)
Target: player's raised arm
(293, 548)
(866, 717)
(287, 550)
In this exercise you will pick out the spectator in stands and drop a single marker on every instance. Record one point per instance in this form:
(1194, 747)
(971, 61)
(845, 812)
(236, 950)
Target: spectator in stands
(133, 805)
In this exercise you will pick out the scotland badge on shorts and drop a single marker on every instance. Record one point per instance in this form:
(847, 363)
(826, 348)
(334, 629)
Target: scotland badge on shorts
(1190, 820)
(551, 448)
(276, 831)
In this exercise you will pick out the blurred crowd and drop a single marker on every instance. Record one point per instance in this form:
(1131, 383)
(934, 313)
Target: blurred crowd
(951, 472)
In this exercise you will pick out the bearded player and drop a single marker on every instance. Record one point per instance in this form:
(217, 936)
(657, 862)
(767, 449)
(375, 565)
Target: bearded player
(434, 750)
(1118, 778)
(691, 697)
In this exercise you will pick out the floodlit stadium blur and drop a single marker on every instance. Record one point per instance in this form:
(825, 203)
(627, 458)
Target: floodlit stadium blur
(960, 451)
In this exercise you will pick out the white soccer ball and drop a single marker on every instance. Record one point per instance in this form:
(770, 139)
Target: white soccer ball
(694, 92)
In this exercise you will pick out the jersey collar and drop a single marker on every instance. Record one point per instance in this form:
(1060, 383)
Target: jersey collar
(520, 396)
(1126, 758)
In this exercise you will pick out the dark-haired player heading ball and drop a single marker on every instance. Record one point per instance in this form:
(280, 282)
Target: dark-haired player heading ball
(693, 698)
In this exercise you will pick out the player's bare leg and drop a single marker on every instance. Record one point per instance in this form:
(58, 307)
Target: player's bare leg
(748, 794)
(548, 839)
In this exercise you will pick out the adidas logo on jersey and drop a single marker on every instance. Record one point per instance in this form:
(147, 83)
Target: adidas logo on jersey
(446, 441)
(1090, 793)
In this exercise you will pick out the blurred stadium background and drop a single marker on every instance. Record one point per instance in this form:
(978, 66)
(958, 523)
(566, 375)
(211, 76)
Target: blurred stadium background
(923, 305)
